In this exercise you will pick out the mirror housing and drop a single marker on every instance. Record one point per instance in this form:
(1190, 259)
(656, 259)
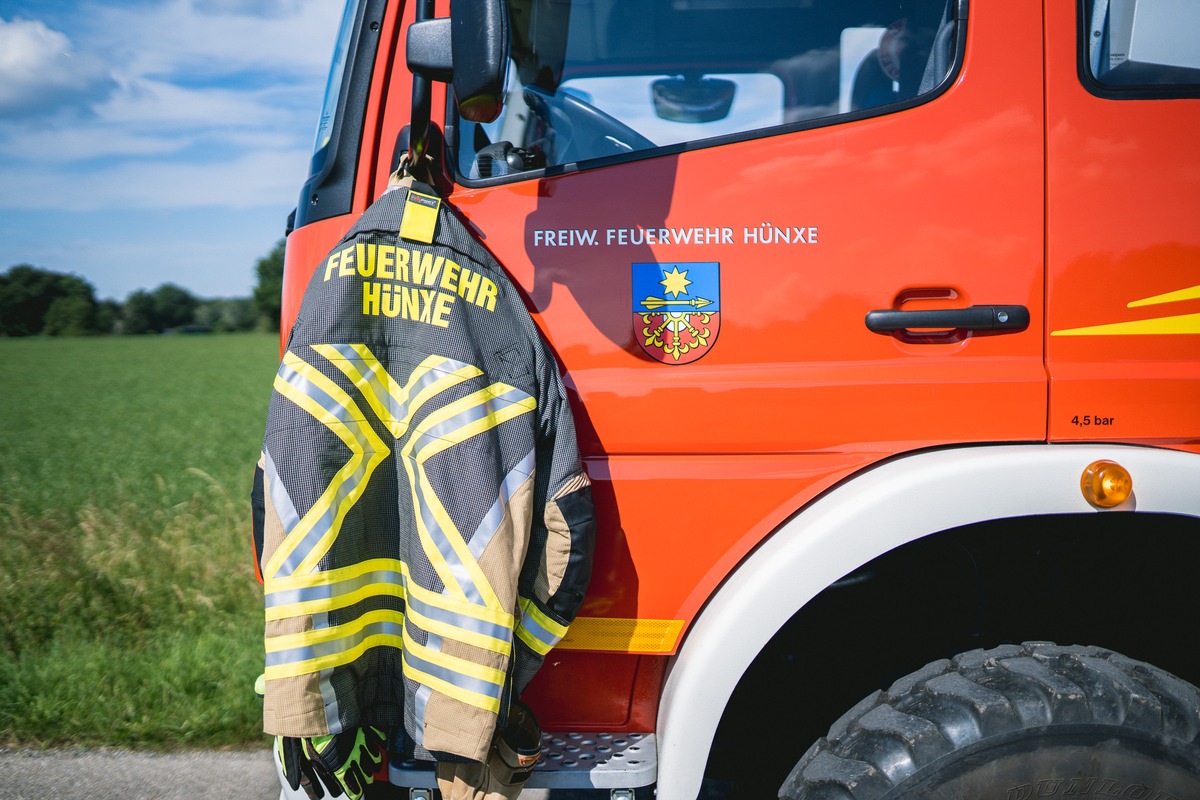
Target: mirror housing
(468, 50)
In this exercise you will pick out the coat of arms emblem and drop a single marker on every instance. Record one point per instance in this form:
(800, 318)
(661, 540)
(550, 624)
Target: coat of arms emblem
(676, 309)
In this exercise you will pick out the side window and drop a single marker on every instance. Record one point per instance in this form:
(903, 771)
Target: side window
(594, 79)
(1143, 45)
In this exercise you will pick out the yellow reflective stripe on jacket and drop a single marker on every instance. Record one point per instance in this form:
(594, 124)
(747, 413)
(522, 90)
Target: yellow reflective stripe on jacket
(286, 594)
(440, 615)
(453, 424)
(481, 691)
(281, 605)
(306, 544)
(327, 640)
(392, 404)
(291, 669)
(312, 651)
(538, 630)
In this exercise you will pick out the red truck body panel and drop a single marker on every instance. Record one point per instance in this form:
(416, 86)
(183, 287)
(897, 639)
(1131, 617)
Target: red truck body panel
(1014, 186)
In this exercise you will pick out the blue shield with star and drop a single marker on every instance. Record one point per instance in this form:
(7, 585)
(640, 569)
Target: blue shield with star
(676, 309)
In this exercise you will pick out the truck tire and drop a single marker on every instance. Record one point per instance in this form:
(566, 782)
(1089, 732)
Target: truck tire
(1014, 723)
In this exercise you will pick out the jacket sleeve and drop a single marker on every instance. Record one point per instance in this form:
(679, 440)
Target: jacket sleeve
(559, 565)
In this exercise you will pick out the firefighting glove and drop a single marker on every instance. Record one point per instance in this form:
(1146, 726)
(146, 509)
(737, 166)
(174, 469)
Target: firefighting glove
(297, 769)
(348, 760)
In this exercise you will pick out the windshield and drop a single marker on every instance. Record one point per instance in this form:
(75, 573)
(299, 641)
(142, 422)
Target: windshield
(333, 85)
(599, 78)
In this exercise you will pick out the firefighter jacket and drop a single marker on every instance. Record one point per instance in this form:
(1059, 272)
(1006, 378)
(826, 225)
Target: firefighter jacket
(427, 522)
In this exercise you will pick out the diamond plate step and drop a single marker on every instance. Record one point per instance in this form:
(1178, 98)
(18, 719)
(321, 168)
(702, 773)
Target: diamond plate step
(569, 761)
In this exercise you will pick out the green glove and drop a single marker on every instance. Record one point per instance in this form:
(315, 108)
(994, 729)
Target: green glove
(348, 760)
(297, 769)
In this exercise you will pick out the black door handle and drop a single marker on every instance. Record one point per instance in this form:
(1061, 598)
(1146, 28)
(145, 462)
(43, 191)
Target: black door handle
(972, 318)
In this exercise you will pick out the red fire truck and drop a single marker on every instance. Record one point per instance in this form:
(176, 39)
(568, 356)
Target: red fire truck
(881, 324)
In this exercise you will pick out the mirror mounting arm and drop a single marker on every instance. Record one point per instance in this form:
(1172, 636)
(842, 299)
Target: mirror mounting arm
(477, 33)
(429, 58)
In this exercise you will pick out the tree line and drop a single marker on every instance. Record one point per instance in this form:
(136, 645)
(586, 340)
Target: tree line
(39, 302)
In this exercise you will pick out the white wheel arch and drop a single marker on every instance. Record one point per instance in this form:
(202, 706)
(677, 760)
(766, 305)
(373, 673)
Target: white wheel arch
(876, 511)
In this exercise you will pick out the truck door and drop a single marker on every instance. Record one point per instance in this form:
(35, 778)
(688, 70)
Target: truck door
(785, 168)
(1123, 82)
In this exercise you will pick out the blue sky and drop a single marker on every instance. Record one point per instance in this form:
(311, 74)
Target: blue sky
(145, 142)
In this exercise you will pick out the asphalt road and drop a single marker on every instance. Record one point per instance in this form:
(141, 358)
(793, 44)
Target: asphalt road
(123, 775)
(126, 775)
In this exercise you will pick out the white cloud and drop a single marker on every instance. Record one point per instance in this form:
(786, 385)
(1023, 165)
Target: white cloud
(40, 72)
(183, 38)
(249, 179)
(179, 124)
(211, 107)
(154, 104)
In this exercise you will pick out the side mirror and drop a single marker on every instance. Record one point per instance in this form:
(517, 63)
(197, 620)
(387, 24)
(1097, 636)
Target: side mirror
(468, 50)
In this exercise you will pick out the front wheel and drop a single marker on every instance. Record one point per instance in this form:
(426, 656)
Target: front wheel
(1014, 723)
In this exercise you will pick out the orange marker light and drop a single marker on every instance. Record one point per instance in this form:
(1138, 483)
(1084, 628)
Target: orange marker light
(1106, 484)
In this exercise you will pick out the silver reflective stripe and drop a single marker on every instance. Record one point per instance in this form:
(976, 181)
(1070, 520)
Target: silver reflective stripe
(431, 436)
(487, 407)
(490, 523)
(398, 411)
(280, 498)
(421, 701)
(325, 523)
(387, 577)
(329, 591)
(535, 629)
(340, 645)
(442, 542)
(465, 682)
(333, 714)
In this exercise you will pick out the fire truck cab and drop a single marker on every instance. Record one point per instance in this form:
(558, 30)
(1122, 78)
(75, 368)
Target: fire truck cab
(881, 324)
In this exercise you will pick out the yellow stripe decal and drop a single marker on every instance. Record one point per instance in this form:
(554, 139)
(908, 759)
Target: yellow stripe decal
(1186, 324)
(1160, 326)
(615, 635)
(1191, 293)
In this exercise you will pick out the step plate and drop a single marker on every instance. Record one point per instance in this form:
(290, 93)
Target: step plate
(569, 761)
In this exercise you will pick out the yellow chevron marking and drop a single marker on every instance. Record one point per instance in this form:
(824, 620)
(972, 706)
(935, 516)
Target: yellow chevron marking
(362, 442)
(1186, 324)
(1182, 324)
(1170, 297)
(422, 489)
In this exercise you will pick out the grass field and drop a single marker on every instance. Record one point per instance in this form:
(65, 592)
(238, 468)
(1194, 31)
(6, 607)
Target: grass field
(129, 613)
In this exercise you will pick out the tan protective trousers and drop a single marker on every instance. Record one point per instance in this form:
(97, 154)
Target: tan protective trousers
(474, 781)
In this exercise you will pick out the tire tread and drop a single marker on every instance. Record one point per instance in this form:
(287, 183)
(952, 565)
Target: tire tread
(952, 704)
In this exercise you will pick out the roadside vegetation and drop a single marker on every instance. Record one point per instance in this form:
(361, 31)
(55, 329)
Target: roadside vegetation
(39, 302)
(131, 615)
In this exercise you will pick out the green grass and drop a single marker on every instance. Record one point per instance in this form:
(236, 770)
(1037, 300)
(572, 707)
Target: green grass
(129, 613)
